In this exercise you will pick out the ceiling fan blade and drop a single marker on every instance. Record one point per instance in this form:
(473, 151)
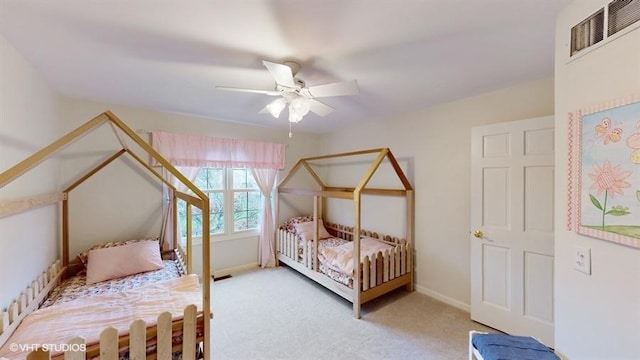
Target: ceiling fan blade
(282, 73)
(319, 108)
(335, 89)
(265, 92)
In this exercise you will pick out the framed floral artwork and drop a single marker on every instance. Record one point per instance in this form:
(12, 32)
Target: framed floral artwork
(604, 171)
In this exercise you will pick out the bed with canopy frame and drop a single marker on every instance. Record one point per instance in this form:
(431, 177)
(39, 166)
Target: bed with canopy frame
(358, 268)
(181, 327)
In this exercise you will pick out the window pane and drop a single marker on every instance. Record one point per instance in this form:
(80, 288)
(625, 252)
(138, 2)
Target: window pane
(243, 179)
(246, 210)
(196, 225)
(182, 217)
(201, 179)
(210, 179)
(216, 211)
(196, 219)
(216, 217)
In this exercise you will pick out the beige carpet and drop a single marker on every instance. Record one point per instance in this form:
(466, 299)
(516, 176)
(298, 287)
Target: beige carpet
(279, 314)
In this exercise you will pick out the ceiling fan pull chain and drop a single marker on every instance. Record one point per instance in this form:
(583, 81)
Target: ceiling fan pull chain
(290, 130)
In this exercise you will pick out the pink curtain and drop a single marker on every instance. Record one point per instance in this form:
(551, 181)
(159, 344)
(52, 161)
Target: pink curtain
(266, 178)
(264, 159)
(201, 151)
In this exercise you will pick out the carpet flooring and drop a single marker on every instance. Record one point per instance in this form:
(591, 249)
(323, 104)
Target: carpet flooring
(279, 314)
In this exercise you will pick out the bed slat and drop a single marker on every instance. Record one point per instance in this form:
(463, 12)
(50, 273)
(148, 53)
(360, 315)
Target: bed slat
(164, 336)
(39, 354)
(374, 273)
(137, 340)
(108, 344)
(4, 321)
(380, 266)
(365, 273)
(189, 333)
(403, 266)
(385, 276)
(13, 312)
(75, 351)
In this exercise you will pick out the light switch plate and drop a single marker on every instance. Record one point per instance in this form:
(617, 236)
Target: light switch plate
(582, 259)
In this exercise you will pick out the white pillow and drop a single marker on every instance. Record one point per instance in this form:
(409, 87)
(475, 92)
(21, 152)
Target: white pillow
(306, 229)
(115, 262)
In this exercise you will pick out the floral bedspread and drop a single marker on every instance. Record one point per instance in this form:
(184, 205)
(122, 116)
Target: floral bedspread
(338, 276)
(76, 287)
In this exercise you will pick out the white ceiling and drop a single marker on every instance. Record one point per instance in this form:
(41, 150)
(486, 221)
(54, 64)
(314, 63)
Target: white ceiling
(169, 55)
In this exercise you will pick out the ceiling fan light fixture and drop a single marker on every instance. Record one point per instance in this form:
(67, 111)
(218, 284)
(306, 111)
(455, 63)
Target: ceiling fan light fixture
(294, 117)
(276, 107)
(299, 106)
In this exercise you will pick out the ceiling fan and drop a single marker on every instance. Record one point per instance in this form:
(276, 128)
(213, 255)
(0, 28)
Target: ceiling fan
(292, 91)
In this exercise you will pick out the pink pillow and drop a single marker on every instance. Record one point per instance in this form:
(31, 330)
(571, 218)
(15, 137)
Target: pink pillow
(305, 231)
(115, 262)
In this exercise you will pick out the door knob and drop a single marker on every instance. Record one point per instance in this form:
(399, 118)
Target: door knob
(478, 234)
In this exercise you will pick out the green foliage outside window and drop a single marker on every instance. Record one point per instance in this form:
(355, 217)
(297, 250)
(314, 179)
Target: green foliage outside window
(243, 194)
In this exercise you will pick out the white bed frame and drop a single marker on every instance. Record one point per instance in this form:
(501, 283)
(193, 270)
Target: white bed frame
(34, 294)
(386, 272)
(110, 342)
(377, 276)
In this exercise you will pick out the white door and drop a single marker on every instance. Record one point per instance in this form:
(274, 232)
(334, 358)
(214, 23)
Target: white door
(512, 188)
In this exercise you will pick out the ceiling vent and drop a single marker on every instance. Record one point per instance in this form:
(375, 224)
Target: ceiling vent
(622, 13)
(619, 15)
(588, 32)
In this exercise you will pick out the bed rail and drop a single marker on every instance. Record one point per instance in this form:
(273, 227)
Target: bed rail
(346, 232)
(139, 334)
(29, 300)
(385, 267)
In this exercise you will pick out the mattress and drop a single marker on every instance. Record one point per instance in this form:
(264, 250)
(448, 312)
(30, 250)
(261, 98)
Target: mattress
(88, 316)
(75, 287)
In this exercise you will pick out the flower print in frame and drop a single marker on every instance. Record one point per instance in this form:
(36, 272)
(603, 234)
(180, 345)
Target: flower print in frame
(606, 170)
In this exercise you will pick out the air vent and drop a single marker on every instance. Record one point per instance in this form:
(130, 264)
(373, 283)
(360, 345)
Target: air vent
(622, 13)
(588, 32)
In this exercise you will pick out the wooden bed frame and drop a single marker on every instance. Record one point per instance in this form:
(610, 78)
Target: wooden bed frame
(33, 295)
(376, 276)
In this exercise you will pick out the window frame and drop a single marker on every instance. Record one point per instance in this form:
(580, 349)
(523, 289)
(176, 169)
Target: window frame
(228, 192)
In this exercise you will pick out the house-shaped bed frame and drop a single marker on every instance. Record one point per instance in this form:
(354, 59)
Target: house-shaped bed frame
(34, 295)
(377, 276)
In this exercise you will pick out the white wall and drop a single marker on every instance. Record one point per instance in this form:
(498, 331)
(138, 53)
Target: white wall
(28, 121)
(96, 207)
(433, 146)
(597, 316)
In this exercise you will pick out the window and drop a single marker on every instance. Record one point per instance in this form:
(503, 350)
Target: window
(235, 202)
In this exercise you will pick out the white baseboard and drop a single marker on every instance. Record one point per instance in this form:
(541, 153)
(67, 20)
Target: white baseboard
(233, 270)
(445, 299)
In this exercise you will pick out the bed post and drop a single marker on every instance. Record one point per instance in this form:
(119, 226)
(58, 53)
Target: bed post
(316, 224)
(189, 238)
(357, 286)
(65, 230)
(410, 255)
(174, 214)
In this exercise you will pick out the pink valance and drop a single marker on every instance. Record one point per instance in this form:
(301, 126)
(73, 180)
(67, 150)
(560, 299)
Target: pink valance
(202, 151)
